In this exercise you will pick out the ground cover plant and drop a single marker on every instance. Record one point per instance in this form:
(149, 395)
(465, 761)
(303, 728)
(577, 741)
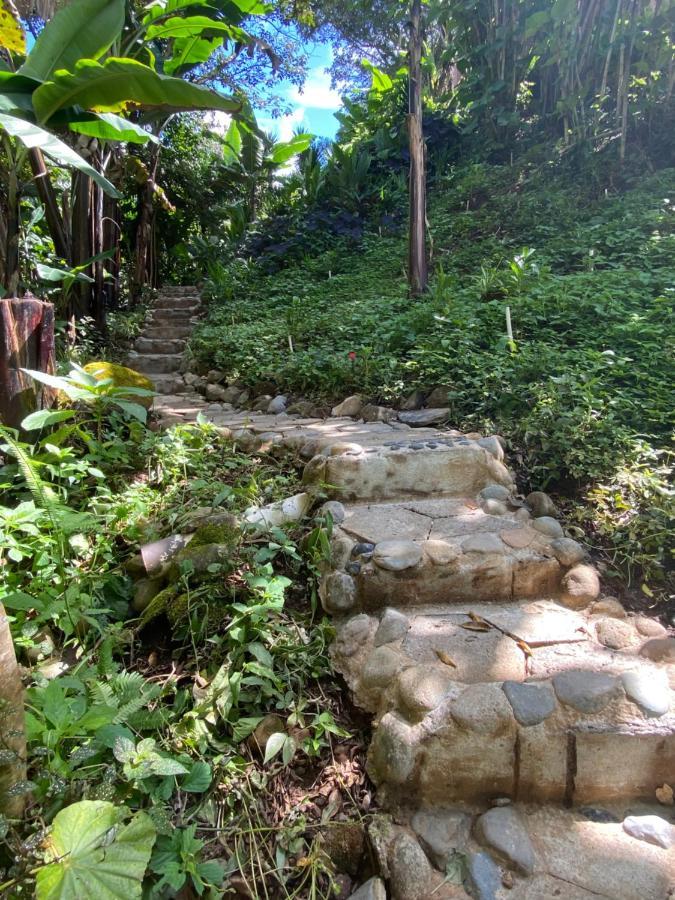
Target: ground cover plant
(203, 729)
(582, 394)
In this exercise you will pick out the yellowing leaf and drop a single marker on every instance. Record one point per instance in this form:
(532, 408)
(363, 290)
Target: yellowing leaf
(444, 658)
(12, 37)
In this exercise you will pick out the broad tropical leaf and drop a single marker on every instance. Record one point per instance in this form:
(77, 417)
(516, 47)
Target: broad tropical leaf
(109, 127)
(93, 854)
(190, 52)
(192, 26)
(16, 92)
(120, 83)
(283, 151)
(161, 8)
(83, 29)
(12, 37)
(232, 147)
(33, 136)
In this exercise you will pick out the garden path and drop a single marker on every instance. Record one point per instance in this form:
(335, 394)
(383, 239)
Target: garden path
(524, 724)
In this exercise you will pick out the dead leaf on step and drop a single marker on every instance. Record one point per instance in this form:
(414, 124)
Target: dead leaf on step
(475, 626)
(524, 646)
(664, 795)
(444, 658)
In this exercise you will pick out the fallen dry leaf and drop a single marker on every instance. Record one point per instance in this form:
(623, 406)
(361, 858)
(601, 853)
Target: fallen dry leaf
(664, 795)
(524, 646)
(475, 626)
(444, 658)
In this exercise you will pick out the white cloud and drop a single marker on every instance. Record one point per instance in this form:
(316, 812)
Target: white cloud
(316, 92)
(283, 127)
(218, 121)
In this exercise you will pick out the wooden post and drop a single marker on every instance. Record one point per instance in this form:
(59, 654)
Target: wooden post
(12, 736)
(26, 341)
(417, 251)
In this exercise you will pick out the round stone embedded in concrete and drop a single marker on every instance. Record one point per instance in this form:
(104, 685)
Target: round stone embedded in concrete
(548, 526)
(503, 830)
(421, 689)
(531, 703)
(585, 690)
(396, 556)
(482, 708)
(650, 690)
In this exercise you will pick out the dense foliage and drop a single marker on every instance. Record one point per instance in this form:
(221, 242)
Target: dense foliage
(585, 392)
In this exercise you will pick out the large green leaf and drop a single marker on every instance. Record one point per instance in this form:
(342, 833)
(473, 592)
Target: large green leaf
(283, 151)
(109, 127)
(192, 26)
(190, 52)
(232, 146)
(16, 92)
(83, 29)
(227, 8)
(118, 83)
(92, 854)
(33, 136)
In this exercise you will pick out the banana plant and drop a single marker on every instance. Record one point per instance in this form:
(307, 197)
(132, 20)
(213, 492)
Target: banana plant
(102, 72)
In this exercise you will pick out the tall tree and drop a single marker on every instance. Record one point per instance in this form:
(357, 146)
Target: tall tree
(418, 270)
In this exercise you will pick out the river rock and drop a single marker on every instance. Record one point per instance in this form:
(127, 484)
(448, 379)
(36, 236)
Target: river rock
(531, 703)
(585, 690)
(413, 401)
(482, 708)
(382, 666)
(441, 832)
(548, 526)
(145, 590)
(483, 542)
(421, 689)
(338, 592)
(580, 585)
(650, 690)
(350, 406)
(395, 556)
(493, 445)
(393, 626)
(335, 509)
(652, 829)
(484, 876)
(649, 627)
(373, 889)
(438, 397)
(374, 413)
(608, 606)
(424, 417)
(277, 405)
(541, 504)
(502, 829)
(495, 492)
(215, 392)
(495, 507)
(661, 650)
(409, 868)
(567, 551)
(617, 634)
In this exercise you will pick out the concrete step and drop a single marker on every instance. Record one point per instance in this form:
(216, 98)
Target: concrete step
(471, 715)
(447, 550)
(155, 363)
(159, 345)
(409, 467)
(178, 290)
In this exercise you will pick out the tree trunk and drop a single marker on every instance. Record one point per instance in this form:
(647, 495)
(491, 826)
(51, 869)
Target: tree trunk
(11, 280)
(26, 341)
(47, 195)
(417, 252)
(80, 301)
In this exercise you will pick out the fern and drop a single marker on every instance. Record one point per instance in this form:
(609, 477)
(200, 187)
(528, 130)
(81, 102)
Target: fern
(106, 665)
(43, 496)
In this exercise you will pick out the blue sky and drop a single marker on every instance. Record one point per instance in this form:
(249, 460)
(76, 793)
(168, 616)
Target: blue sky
(312, 106)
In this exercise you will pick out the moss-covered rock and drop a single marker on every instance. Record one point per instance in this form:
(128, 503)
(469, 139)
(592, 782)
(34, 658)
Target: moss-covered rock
(199, 557)
(122, 377)
(224, 532)
(158, 606)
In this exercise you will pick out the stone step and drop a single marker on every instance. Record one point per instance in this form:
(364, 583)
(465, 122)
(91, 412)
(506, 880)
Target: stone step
(178, 302)
(449, 549)
(170, 384)
(159, 345)
(173, 290)
(409, 467)
(163, 315)
(471, 715)
(172, 331)
(155, 363)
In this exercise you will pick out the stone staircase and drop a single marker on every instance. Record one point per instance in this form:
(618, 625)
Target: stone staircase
(469, 625)
(158, 352)
(524, 724)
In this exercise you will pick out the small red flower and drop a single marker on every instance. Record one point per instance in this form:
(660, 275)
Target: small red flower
(352, 355)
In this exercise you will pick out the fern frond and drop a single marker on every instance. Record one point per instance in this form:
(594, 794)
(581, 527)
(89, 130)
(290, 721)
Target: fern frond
(43, 496)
